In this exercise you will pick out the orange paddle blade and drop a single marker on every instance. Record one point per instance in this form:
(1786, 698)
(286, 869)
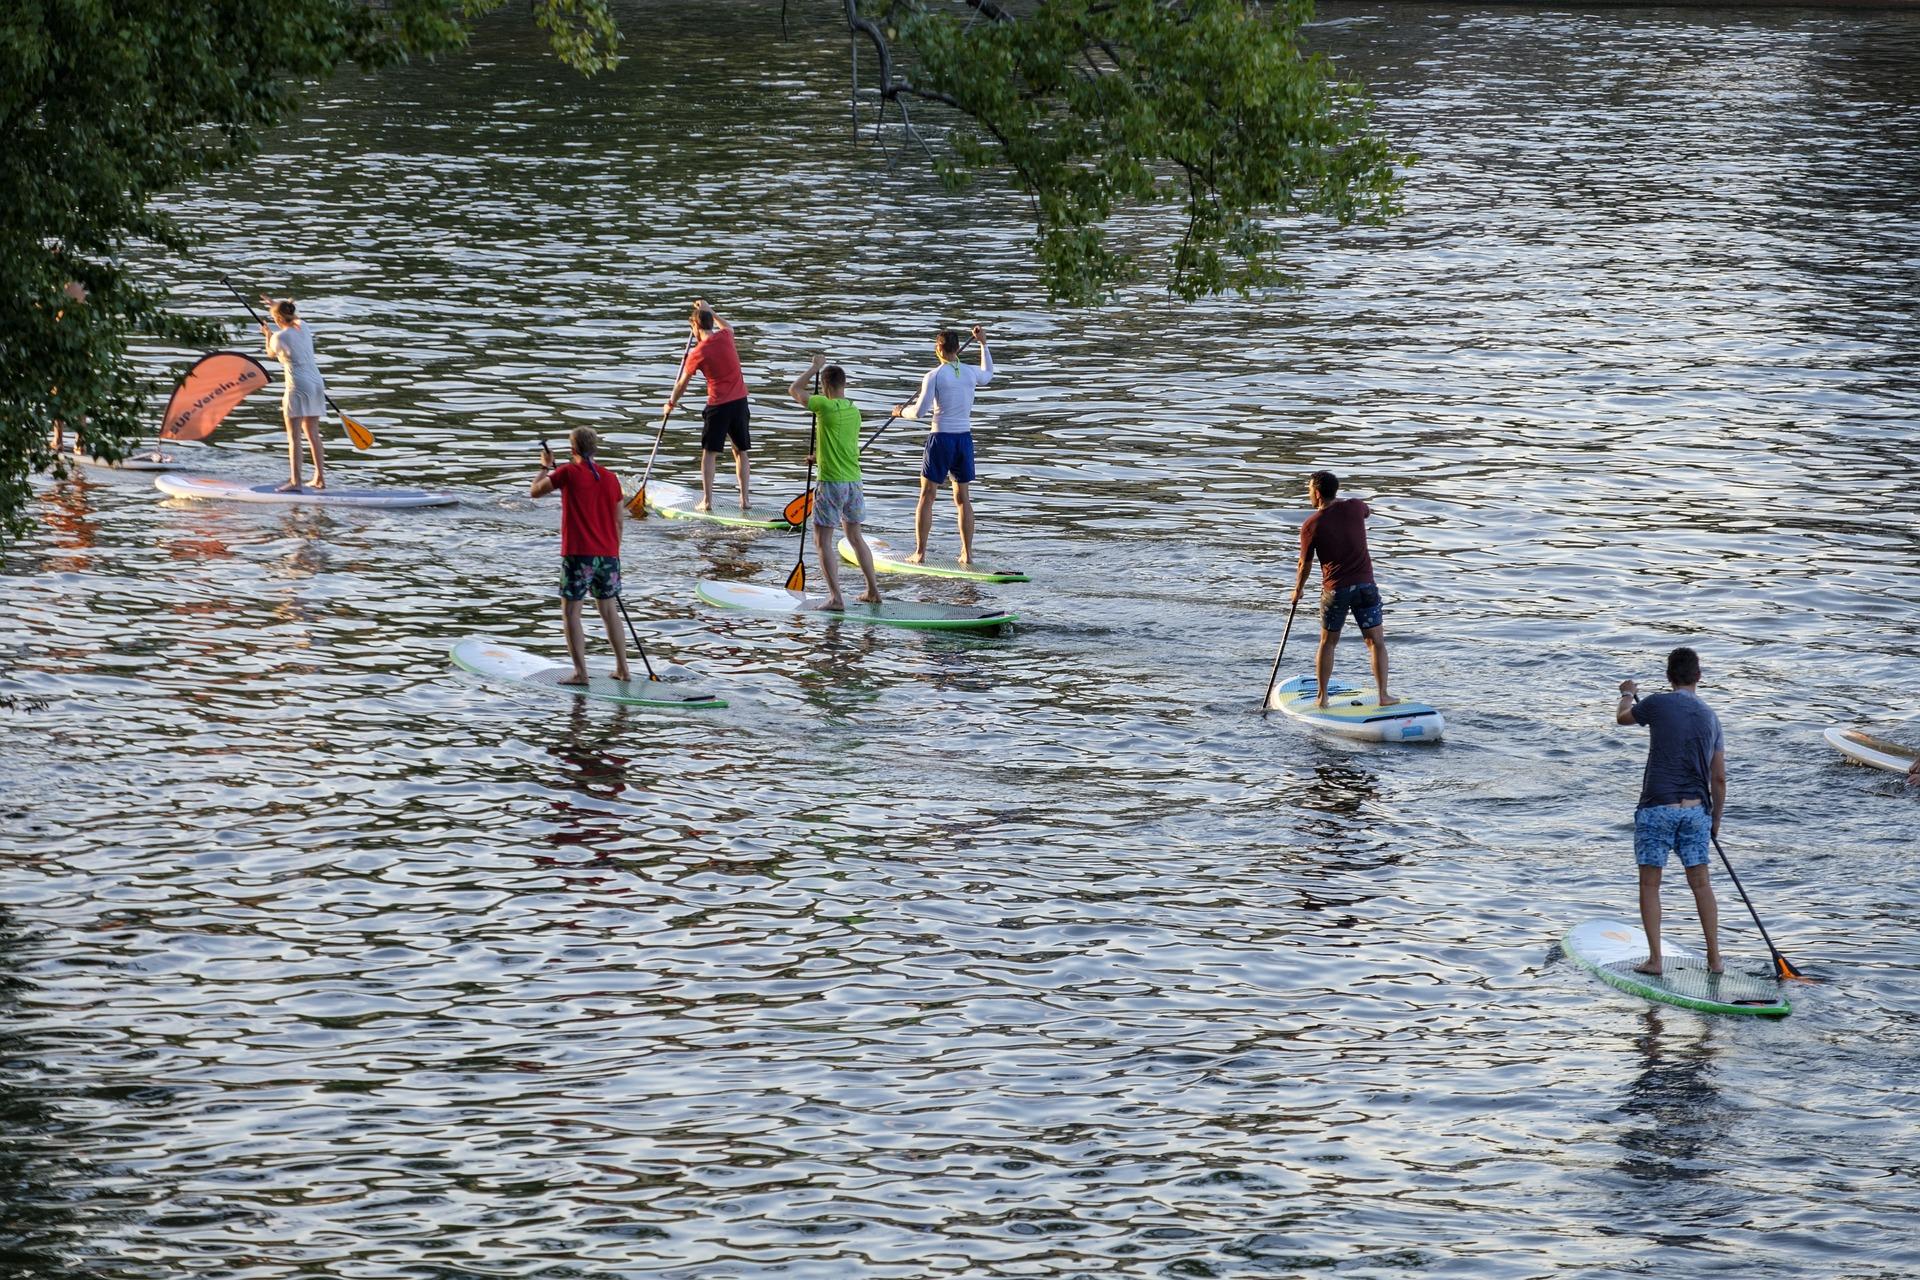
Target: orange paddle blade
(1787, 971)
(797, 511)
(361, 437)
(637, 504)
(797, 580)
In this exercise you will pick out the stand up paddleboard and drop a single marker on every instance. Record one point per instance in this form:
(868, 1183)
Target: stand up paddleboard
(214, 489)
(888, 613)
(1357, 713)
(1610, 948)
(496, 660)
(151, 460)
(884, 562)
(1867, 749)
(675, 503)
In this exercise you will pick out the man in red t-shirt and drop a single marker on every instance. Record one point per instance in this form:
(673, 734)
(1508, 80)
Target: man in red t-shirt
(725, 417)
(589, 545)
(1337, 533)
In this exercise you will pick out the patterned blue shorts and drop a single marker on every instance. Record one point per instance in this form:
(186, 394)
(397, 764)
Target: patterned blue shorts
(838, 502)
(1363, 599)
(1672, 828)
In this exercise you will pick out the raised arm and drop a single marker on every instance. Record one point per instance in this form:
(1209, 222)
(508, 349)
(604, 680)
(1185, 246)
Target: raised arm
(986, 357)
(798, 388)
(1629, 694)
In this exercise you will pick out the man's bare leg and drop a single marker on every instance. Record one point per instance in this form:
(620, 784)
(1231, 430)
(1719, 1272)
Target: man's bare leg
(1699, 880)
(864, 554)
(963, 515)
(822, 541)
(740, 473)
(1323, 663)
(576, 642)
(1376, 638)
(922, 522)
(707, 459)
(615, 637)
(1650, 918)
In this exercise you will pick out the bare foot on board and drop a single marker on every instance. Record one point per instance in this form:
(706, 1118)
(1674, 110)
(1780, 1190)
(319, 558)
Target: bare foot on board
(703, 505)
(1388, 700)
(577, 678)
(868, 597)
(965, 558)
(832, 604)
(1653, 967)
(918, 557)
(291, 486)
(318, 482)
(622, 674)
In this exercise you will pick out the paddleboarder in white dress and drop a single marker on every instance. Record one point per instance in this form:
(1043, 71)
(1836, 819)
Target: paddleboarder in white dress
(304, 402)
(946, 398)
(1682, 795)
(1336, 532)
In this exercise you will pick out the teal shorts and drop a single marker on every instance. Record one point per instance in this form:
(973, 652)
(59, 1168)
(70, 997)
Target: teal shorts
(583, 576)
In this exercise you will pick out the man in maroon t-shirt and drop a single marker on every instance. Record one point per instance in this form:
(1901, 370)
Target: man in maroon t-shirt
(725, 417)
(589, 545)
(1337, 533)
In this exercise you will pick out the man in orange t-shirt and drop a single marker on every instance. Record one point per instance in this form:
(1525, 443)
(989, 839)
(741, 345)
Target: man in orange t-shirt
(589, 545)
(724, 420)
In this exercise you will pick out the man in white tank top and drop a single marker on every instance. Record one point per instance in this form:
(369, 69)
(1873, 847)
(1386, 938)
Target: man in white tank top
(946, 398)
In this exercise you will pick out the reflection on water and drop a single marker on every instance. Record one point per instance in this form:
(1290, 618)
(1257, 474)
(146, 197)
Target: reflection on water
(1041, 954)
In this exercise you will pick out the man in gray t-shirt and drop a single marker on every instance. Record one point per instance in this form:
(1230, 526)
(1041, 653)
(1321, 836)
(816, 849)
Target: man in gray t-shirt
(1682, 794)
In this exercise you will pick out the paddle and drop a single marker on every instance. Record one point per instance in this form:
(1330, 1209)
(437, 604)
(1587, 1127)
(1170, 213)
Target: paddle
(797, 580)
(359, 435)
(796, 511)
(637, 504)
(1275, 674)
(1782, 965)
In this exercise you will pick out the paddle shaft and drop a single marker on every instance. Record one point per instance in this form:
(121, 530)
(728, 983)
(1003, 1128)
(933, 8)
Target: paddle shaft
(1273, 677)
(1781, 963)
(894, 417)
(661, 433)
(797, 580)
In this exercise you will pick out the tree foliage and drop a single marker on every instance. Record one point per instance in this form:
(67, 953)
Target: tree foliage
(1091, 108)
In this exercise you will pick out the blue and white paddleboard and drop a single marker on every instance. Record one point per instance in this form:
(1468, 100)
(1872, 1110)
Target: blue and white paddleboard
(1610, 949)
(1354, 712)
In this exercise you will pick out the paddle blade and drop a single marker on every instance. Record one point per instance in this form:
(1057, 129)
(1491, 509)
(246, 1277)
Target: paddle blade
(1786, 970)
(797, 580)
(796, 512)
(359, 435)
(637, 504)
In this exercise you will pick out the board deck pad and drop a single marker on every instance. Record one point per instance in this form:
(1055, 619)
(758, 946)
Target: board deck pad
(1611, 948)
(498, 660)
(1869, 750)
(1356, 713)
(214, 488)
(888, 613)
(676, 503)
(884, 561)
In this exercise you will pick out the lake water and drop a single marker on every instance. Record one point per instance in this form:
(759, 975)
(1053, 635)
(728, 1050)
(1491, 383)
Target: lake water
(1038, 955)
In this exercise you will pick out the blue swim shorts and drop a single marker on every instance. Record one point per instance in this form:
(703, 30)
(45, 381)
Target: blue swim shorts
(838, 502)
(1363, 599)
(1681, 828)
(949, 454)
(583, 576)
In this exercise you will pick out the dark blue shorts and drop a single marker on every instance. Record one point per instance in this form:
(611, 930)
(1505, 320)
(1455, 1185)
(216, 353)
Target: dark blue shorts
(949, 454)
(1363, 599)
(583, 576)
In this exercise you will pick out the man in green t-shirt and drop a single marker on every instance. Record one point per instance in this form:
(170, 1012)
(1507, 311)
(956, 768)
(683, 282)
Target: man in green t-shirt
(837, 499)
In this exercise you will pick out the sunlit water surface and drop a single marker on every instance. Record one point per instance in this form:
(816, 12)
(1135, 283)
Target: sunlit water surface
(1041, 955)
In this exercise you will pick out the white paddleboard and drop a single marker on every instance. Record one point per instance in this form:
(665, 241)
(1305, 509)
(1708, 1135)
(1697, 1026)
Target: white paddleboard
(1356, 713)
(888, 613)
(214, 489)
(1867, 749)
(498, 660)
(1611, 948)
(151, 460)
(675, 503)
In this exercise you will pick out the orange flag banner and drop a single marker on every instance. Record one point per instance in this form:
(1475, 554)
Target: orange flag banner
(208, 392)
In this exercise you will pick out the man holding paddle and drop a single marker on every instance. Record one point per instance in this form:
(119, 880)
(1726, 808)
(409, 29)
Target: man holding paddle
(589, 545)
(1682, 794)
(837, 499)
(1336, 532)
(946, 397)
(724, 420)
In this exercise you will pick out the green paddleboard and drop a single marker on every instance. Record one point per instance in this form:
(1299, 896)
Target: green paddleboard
(497, 661)
(888, 613)
(1610, 949)
(885, 562)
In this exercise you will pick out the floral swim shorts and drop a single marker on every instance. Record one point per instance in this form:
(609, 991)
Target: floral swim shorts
(583, 576)
(1671, 828)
